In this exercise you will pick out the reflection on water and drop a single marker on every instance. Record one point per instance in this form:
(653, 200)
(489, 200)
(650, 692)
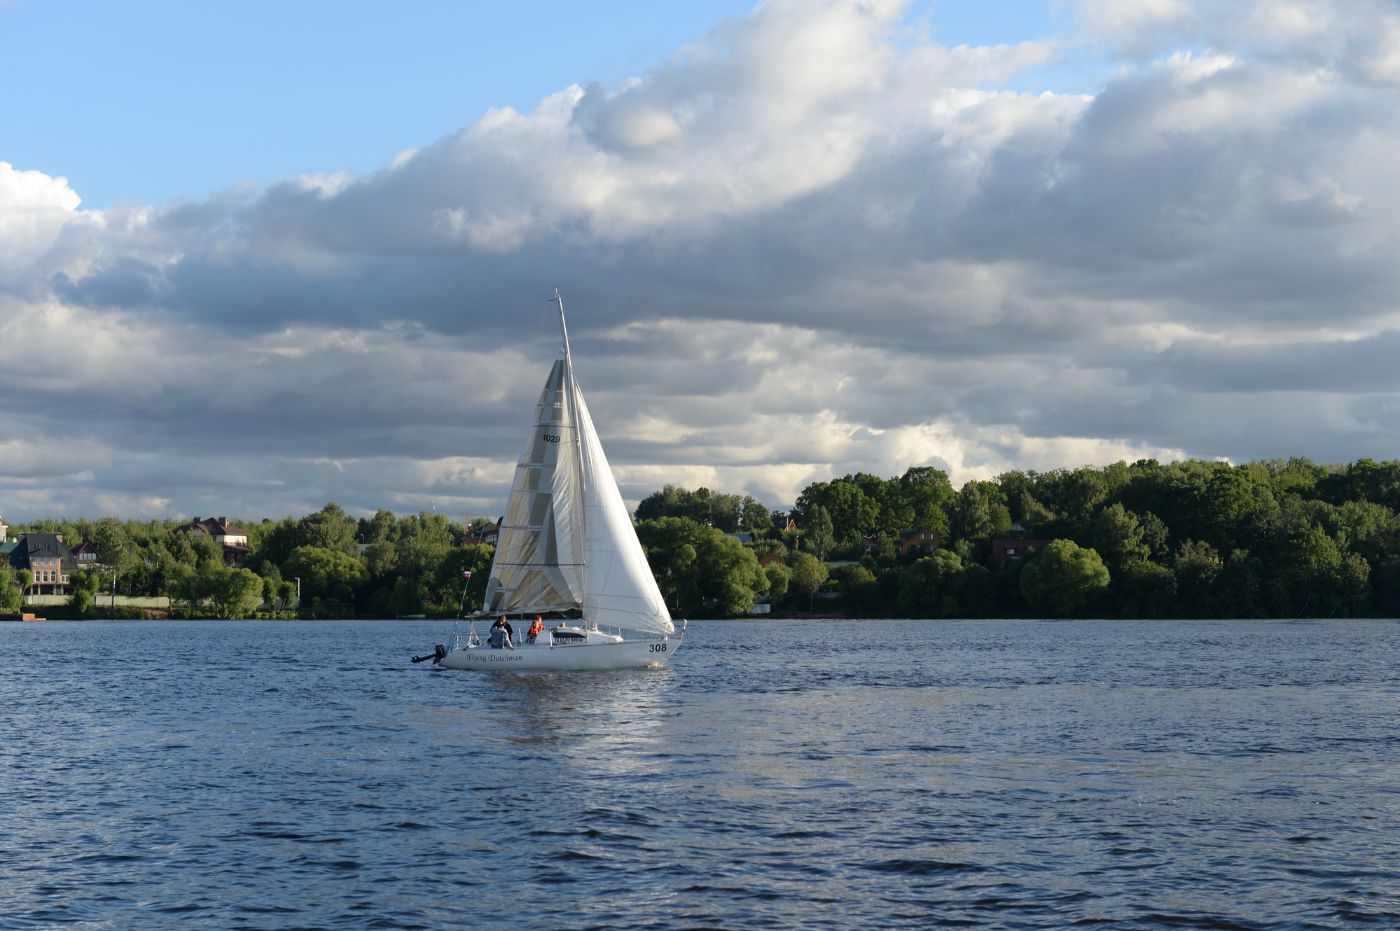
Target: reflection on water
(816, 775)
(593, 721)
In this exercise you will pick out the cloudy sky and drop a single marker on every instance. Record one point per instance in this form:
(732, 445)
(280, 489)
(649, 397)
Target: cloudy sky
(254, 260)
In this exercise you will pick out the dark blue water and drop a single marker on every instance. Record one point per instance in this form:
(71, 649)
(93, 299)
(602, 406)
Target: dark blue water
(981, 774)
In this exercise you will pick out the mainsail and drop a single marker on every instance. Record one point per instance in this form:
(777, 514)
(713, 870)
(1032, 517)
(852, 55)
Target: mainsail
(539, 554)
(567, 541)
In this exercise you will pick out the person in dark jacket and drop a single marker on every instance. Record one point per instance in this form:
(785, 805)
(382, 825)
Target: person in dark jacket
(506, 634)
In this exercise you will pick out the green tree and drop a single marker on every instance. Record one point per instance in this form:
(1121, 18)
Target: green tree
(1296, 475)
(382, 560)
(329, 528)
(215, 590)
(278, 540)
(726, 512)
(9, 590)
(427, 555)
(1118, 538)
(932, 586)
(194, 549)
(1019, 490)
(326, 574)
(729, 577)
(183, 587)
(117, 554)
(1371, 530)
(1385, 587)
(672, 501)
(808, 575)
(231, 593)
(1073, 494)
(1241, 586)
(1145, 589)
(980, 512)
(448, 582)
(1317, 578)
(384, 527)
(779, 578)
(669, 544)
(84, 583)
(1061, 580)
(853, 512)
(1236, 510)
(700, 570)
(820, 532)
(1155, 536)
(929, 496)
(1197, 566)
(861, 593)
(1368, 480)
(754, 517)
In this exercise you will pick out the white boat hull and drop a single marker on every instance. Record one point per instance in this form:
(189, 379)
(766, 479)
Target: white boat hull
(625, 654)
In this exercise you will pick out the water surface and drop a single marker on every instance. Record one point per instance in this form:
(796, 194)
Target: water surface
(984, 774)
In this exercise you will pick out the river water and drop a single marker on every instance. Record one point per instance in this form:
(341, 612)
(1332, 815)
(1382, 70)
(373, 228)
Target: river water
(982, 774)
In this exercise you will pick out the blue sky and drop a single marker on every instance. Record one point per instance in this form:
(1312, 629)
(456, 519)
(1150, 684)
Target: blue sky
(255, 257)
(159, 100)
(151, 101)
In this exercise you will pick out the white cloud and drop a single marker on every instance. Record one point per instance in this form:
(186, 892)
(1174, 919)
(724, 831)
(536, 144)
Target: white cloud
(34, 208)
(812, 242)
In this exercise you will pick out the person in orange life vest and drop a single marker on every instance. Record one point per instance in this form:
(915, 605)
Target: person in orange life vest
(535, 630)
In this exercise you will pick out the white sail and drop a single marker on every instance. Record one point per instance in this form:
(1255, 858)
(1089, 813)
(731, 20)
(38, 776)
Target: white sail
(618, 582)
(539, 555)
(567, 541)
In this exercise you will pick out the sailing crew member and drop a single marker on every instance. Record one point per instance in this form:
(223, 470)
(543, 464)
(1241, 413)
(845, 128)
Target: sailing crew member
(535, 630)
(507, 632)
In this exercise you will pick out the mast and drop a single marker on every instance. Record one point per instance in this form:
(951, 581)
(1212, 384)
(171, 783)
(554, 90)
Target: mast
(575, 400)
(571, 385)
(563, 327)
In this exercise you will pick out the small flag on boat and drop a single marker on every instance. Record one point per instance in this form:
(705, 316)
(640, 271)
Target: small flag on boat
(466, 573)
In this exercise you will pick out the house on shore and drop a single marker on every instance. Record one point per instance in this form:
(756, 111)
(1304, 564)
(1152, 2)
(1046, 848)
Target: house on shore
(233, 539)
(51, 562)
(924, 540)
(487, 534)
(85, 555)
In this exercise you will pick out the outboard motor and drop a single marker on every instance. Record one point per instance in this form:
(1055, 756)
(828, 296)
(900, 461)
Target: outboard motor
(438, 653)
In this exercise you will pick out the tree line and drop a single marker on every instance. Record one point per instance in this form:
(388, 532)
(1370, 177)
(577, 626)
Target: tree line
(1278, 538)
(1198, 539)
(325, 564)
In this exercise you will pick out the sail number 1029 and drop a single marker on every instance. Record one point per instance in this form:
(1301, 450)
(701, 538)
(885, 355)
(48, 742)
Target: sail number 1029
(551, 437)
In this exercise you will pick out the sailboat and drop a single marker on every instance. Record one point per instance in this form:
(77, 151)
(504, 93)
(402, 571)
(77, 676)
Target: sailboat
(568, 552)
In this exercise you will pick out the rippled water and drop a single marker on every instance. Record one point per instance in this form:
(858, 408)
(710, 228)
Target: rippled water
(989, 774)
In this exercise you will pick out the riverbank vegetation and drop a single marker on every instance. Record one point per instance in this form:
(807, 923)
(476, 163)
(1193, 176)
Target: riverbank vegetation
(1283, 538)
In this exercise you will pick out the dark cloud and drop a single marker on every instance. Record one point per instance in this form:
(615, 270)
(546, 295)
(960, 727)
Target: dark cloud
(809, 245)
